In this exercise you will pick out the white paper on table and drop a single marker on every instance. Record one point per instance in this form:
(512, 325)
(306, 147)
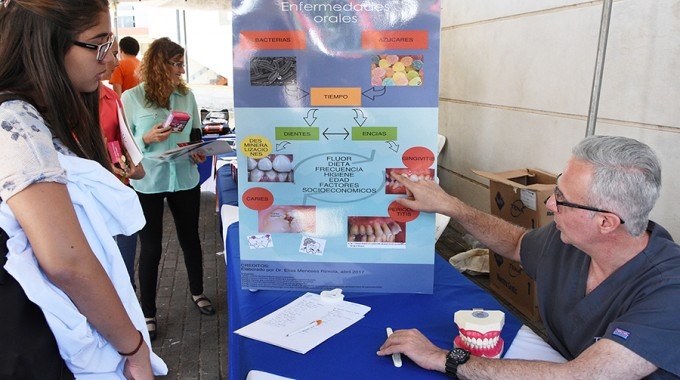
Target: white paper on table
(336, 315)
(128, 141)
(261, 375)
(208, 148)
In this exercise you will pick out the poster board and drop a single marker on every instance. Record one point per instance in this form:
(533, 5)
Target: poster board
(331, 98)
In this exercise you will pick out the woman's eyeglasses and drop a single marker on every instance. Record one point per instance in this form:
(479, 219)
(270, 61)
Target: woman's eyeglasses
(179, 65)
(101, 49)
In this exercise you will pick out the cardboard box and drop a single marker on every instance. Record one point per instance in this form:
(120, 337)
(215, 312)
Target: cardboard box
(519, 197)
(508, 280)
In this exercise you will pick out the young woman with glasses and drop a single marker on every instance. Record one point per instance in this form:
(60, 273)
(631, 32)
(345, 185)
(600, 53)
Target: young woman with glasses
(53, 170)
(176, 181)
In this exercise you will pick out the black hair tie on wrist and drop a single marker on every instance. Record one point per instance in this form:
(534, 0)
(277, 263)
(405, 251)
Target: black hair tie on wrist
(139, 345)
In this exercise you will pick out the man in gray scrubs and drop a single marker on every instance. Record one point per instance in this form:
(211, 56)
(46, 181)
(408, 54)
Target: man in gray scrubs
(608, 279)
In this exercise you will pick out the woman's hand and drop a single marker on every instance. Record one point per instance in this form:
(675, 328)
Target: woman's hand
(198, 157)
(124, 168)
(158, 133)
(138, 366)
(136, 171)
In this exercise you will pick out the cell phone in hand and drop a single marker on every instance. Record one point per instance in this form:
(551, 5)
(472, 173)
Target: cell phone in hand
(177, 121)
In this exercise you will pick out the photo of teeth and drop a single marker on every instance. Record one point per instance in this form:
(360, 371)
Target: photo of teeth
(392, 186)
(375, 230)
(287, 219)
(480, 332)
(272, 168)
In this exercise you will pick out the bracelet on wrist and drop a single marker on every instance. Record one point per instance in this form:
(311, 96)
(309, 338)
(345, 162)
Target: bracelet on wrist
(139, 345)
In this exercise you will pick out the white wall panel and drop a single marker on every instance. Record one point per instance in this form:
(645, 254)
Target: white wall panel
(516, 79)
(641, 80)
(543, 62)
(469, 11)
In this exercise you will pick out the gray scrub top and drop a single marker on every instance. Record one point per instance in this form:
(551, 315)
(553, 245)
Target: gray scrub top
(637, 306)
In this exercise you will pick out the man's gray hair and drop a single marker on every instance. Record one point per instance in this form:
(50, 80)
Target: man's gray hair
(626, 178)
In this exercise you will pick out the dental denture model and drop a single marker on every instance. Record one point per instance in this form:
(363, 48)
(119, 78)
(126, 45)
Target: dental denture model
(272, 168)
(480, 332)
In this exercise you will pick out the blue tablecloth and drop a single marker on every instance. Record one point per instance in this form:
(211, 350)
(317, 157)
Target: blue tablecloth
(351, 354)
(227, 190)
(205, 169)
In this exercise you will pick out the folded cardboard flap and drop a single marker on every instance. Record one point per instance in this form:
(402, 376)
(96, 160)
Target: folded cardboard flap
(529, 179)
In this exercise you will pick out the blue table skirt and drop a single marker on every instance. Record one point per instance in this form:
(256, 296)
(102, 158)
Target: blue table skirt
(205, 169)
(227, 190)
(351, 354)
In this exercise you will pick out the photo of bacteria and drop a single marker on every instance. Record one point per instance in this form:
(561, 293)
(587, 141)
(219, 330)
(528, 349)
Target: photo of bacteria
(375, 229)
(397, 70)
(273, 71)
(272, 168)
(392, 186)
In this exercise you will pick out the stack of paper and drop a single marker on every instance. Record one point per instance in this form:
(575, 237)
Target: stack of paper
(305, 323)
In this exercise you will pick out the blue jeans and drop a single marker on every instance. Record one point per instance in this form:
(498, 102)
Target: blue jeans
(128, 249)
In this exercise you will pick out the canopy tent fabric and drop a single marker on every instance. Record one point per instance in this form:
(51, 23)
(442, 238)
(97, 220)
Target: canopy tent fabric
(182, 4)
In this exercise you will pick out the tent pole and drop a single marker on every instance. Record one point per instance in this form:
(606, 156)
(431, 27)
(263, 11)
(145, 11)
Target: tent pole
(114, 5)
(599, 63)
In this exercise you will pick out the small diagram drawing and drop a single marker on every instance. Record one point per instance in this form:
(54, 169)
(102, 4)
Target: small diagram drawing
(260, 241)
(312, 246)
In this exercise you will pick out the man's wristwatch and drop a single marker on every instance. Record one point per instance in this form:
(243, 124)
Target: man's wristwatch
(454, 358)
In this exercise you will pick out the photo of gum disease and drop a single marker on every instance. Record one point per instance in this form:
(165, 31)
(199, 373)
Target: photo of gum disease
(287, 219)
(273, 71)
(395, 70)
(392, 186)
(272, 168)
(375, 229)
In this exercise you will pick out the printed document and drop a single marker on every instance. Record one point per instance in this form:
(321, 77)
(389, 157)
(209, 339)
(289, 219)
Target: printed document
(305, 323)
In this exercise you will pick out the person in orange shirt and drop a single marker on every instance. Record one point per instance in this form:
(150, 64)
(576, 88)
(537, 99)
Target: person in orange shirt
(124, 77)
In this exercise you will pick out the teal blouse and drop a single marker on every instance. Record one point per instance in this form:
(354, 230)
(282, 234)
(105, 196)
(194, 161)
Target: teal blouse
(161, 175)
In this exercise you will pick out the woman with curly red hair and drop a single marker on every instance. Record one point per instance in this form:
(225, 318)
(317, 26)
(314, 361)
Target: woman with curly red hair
(176, 181)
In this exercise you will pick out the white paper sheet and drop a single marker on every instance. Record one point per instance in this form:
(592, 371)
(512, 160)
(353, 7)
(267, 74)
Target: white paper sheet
(281, 327)
(128, 141)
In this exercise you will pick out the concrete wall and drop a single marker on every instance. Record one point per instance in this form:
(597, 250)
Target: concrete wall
(516, 79)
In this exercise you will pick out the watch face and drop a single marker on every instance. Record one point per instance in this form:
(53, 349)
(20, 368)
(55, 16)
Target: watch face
(459, 355)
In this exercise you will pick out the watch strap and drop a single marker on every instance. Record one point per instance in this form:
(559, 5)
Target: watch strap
(454, 358)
